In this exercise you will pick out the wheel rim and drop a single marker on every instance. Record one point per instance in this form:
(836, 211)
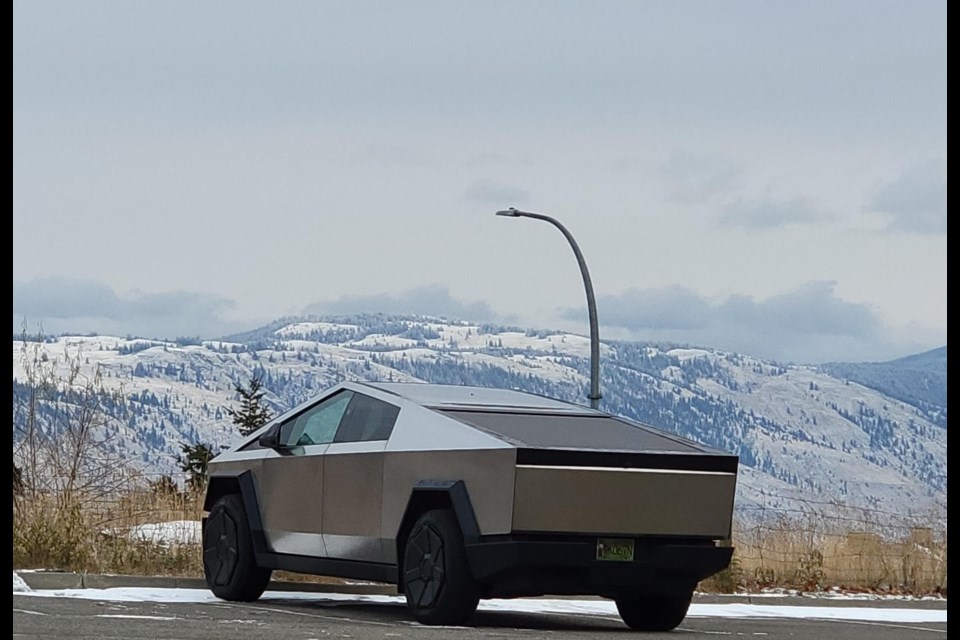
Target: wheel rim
(424, 563)
(220, 554)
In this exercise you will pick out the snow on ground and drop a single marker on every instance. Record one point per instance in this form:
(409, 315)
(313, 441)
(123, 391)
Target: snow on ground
(382, 340)
(836, 593)
(305, 328)
(520, 605)
(19, 586)
(175, 532)
(687, 354)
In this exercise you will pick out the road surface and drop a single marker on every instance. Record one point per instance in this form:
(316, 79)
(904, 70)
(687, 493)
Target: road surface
(50, 618)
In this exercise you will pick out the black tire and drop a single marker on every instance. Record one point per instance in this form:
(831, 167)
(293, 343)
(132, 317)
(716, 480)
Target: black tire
(437, 581)
(229, 563)
(654, 613)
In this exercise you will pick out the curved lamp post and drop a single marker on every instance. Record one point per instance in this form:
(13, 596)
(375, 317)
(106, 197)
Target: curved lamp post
(591, 303)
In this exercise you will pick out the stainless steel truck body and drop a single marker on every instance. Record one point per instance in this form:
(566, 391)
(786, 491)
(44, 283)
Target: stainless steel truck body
(459, 493)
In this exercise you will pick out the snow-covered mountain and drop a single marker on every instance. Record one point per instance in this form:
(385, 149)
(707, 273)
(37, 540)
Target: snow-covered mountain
(804, 435)
(919, 380)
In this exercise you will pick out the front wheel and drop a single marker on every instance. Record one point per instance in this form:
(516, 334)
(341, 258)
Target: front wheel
(437, 581)
(229, 563)
(654, 613)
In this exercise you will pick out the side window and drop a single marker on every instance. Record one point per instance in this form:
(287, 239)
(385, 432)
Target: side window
(318, 424)
(367, 419)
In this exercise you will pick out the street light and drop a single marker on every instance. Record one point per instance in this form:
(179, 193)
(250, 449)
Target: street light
(591, 303)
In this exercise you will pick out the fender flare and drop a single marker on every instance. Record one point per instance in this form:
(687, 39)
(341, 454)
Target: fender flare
(242, 482)
(456, 492)
(432, 494)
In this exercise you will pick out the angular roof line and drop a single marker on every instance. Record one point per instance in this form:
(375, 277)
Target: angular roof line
(452, 395)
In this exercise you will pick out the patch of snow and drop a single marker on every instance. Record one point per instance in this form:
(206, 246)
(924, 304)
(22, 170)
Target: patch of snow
(672, 373)
(520, 605)
(687, 354)
(125, 615)
(804, 432)
(835, 593)
(304, 328)
(382, 340)
(175, 532)
(608, 608)
(867, 614)
(19, 586)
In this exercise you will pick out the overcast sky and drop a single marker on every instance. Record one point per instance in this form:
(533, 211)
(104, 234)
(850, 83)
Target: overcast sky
(768, 177)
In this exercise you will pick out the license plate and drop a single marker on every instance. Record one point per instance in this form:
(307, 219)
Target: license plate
(620, 549)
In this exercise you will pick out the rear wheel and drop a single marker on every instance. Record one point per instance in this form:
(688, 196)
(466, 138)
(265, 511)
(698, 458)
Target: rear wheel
(654, 613)
(229, 563)
(436, 577)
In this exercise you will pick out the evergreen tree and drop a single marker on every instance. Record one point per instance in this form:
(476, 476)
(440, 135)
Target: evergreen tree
(194, 461)
(252, 414)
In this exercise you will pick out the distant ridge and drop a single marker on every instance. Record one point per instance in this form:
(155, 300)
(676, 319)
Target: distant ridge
(804, 434)
(919, 379)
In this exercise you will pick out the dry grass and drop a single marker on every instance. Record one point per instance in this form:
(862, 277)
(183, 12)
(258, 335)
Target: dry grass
(89, 534)
(86, 534)
(811, 556)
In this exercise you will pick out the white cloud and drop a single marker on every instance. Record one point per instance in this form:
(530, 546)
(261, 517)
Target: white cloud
(672, 307)
(305, 150)
(808, 324)
(70, 304)
(916, 200)
(769, 212)
(695, 178)
(432, 300)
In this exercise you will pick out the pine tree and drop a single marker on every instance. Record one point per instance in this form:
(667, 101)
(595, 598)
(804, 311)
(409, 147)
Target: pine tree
(252, 414)
(194, 462)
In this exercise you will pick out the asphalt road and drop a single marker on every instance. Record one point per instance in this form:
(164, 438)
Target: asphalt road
(278, 619)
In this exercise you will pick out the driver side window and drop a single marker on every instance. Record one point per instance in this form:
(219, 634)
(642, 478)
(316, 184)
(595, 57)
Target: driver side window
(318, 424)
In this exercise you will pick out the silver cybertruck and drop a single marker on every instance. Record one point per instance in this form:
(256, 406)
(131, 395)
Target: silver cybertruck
(458, 493)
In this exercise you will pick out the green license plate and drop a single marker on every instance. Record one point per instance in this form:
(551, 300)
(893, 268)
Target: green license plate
(620, 549)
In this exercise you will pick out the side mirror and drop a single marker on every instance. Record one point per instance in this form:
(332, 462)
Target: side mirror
(269, 440)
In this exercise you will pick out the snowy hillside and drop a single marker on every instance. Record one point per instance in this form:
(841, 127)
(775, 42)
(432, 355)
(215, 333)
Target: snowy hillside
(801, 433)
(920, 380)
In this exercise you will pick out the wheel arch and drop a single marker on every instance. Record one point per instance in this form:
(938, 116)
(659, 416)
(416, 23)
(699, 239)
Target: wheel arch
(242, 483)
(436, 494)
